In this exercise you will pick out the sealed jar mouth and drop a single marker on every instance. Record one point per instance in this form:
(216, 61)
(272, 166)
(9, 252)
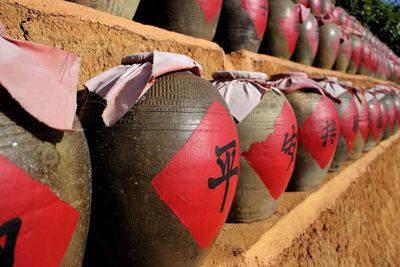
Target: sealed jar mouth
(242, 75)
(288, 75)
(326, 79)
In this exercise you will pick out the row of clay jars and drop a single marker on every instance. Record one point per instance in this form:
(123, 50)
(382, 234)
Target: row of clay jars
(318, 7)
(169, 162)
(59, 164)
(121, 8)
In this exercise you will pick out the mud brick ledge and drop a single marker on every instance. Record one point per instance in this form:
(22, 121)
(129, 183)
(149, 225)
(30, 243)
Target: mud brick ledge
(352, 219)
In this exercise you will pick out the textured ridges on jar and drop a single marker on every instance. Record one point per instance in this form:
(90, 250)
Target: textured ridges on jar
(303, 104)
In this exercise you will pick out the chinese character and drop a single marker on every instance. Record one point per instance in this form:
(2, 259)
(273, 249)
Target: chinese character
(10, 231)
(329, 132)
(227, 169)
(289, 145)
(355, 123)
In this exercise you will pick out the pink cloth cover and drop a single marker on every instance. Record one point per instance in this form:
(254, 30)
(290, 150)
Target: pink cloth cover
(242, 90)
(122, 86)
(42, 79)
(291, 81)
(332, 86)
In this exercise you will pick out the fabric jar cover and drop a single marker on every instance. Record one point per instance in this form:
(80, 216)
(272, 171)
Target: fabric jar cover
(348, 116)
(329, 41)
(267, 129)
(172, 158)
(307, 44)
(318, 124)
(45, 180)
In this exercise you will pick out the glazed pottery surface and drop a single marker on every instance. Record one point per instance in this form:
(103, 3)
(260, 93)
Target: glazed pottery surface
(58, 162)
(375, 122)
(329, 40)
(344, 53)
(167, 164)
(363, 125)
(321, 7)
(242, 25)
(121, 8)
(392, 115)
(196, 18)
(356, 54)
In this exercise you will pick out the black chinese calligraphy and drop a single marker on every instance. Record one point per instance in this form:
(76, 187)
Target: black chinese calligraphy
(227, 169)
(289, 145)
(329, 132)
(355, 123)
(10, 231)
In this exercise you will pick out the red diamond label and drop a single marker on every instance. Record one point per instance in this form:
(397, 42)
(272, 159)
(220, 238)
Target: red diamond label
(36, 224)
(376, 119)
(392, 117)
(290, 28)
(199, 182)
(210, 8)
(258, 13)
(349, 125)
(273, 160)
(319, 133)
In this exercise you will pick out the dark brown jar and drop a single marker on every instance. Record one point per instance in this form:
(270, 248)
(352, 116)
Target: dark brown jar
(170, 162)
(49, 195)
(282, 30)
(307, 44)
(190, 17)
(348, 119)
(242, 25)
(329, 41)
(318, 125)
(268, 142)
(376, 118)
(121, 8)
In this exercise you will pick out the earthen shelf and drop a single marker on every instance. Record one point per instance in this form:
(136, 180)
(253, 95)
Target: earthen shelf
(350, 220)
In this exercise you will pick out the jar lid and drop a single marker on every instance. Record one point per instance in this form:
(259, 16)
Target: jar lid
(289, 75)
(238, 74)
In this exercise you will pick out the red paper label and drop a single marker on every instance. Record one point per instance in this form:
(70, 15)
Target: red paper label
(375, 120)
(210, 8)
(356, 55)
(38, 226)
(199, 183)
(290, 28)
(349, 125)
(313, 37)
(363, 122)
(273, 160)
(319, 133)
(392, 117)
(258, 13)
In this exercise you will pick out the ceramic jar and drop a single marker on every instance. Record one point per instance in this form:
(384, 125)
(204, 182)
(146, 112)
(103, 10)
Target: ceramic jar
(53, 176)
(329, 41)
(307, 44)
(169, 162)
(376, 120)
(356, 55)
(282, 30)
(191, 17)
(319, 128)
(348, 120)
(321, 7)
(242, 25)
(268, 138)
(396, 100)
(121, 8)
(365, 66)
(344, 53)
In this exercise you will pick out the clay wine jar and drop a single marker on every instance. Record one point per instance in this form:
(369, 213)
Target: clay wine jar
(307, 44)
(169, 162)
(190, 17)
(329, 41)
(396, 101)
(268, 145)
(356, 54)
(392, 115)
(344, 53)
(321, 7)
(375, 121)
(318, 125)
(365, 66)
(242, 25)
(121, 8)
(59, 164)
(363, 123)
(348, 120)
(303, 2)
(282, 31)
